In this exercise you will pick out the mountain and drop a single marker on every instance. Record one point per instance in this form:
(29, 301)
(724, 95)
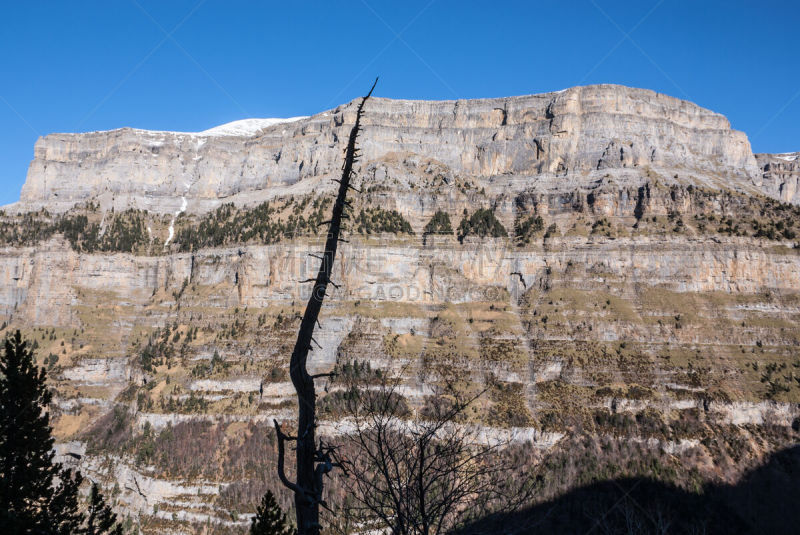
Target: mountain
(550, 142)
(614, 265)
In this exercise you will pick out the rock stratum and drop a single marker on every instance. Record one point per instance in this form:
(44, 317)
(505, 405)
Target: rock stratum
(614, 266)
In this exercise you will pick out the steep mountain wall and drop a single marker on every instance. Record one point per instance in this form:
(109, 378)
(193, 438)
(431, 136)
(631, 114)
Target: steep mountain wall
(781, 175)
(550, 142)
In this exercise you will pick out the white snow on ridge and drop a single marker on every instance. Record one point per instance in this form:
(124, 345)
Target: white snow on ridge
(788, 156)
(245, 127)
(242, 127)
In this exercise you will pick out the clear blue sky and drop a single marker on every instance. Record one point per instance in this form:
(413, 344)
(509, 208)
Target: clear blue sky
(192, 64)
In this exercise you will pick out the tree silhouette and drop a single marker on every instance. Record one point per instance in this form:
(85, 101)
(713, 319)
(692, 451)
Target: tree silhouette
(63, 510)
(37, 495)
(422, 472)
(270, 519)
(100, 519)
(25, 441)
(315, 460)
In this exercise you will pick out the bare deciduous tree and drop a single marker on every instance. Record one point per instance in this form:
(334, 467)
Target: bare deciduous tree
(421, 472)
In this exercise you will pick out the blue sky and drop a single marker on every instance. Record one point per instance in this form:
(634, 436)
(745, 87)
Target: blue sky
(191, 64)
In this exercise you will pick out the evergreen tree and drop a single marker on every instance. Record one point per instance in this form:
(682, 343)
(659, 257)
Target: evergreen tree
(270, 519)
(26, 457)
(37, 495)
(100, 518)
(64, 516)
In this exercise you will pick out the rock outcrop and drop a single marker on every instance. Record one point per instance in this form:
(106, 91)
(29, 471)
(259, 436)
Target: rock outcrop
(781, 175)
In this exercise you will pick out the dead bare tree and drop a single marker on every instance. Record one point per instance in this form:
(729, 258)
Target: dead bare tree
(315, 460)
(422, 473)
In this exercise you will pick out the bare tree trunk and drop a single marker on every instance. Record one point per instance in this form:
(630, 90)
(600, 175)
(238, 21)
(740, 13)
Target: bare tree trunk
(314, 462)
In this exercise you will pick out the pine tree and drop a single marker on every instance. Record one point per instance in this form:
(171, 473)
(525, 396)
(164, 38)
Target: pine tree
(37, 495)
(270, 519)
(26, 457)
(64, 516)
(100, 518)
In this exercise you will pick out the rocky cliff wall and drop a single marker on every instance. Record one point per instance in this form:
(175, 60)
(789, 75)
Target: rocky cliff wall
(548, 142)
(145, 349)
(781, 175)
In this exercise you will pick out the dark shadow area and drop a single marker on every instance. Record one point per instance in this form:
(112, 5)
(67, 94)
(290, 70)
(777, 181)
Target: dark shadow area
(765, 501)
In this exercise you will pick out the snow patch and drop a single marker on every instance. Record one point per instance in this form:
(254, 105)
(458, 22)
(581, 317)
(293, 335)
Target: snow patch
(787, 156)
(245, 127)
(242, 127)
(182, 209)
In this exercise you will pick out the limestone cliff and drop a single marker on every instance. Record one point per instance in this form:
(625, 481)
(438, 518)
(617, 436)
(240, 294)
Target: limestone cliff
(781, 175)
(549, 142)
(610, 264)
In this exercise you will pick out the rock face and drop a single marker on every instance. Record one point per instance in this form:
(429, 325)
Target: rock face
(642, 290)
(550, 142)
(781, 175)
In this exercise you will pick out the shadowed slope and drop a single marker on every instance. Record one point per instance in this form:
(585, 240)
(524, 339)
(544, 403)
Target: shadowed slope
(764, 501)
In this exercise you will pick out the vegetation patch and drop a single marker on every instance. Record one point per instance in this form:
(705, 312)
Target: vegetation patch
(439, 224)
(379, 221)
(481, 223)
(509, 406)
(503, 351)
(124, 232)
(526, 229)
(265, 223)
